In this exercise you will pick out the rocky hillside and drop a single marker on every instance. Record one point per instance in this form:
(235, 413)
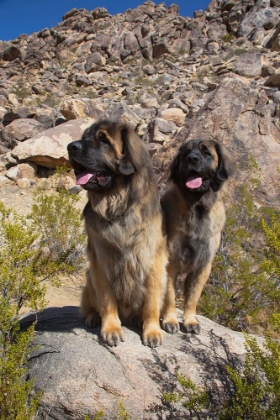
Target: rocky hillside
(216, 75)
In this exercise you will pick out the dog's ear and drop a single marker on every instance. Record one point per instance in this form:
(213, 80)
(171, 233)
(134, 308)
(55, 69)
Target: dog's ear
(226, 166)
(174, 168)
(134, 154)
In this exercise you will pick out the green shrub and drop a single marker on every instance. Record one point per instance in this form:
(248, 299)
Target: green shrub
(235, 52)
(32, 250)
(195, 399)
(228, 37)
(16, 393)
(243, 290)
(59, 223)
(22, 92)
(122, 413)
(21, 273)
(256, 388)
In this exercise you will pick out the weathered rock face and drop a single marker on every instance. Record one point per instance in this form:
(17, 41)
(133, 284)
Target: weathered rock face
(237, 115)
(80, 376)
(49, 148)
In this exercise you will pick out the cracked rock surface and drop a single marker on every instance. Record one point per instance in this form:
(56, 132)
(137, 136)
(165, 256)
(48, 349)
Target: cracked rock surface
(80, 376)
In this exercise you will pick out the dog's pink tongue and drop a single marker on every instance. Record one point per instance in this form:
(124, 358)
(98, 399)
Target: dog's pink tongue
(194, 182)
(83, 178)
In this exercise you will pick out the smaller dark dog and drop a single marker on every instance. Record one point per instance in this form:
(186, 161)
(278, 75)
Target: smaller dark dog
(195, 216)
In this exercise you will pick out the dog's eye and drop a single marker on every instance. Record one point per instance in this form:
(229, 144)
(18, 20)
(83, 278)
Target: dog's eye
(205, 151)
(102, 137)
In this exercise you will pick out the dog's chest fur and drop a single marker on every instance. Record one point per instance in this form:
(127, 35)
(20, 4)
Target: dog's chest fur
(124, 248)
(193, 233)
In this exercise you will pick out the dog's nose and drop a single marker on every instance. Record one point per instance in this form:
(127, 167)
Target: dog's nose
(193, 158)
(74, 147)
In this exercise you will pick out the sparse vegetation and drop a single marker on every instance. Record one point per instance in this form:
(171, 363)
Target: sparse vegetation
(255, 390)
(146, 81)
(32, 251)
(243, 292)
(228, 37)
(22, 92)
(122, 414)
(61, 238)
(192, 397)
(235, 52)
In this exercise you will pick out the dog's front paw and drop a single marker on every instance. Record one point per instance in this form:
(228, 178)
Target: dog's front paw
(152, 336)
(113, 336)
(170, 324)
(191, 324)
(170, 327)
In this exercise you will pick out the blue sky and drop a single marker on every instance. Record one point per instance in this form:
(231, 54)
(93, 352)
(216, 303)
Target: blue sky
(24, 17)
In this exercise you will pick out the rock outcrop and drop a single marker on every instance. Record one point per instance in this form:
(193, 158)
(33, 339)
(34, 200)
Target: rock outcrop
(80, 376)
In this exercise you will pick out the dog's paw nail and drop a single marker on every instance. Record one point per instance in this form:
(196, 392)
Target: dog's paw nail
(113, 339)
(152, 340)
(192, 328)
(171, 327)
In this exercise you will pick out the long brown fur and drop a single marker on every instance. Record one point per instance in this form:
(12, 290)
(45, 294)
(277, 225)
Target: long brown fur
(127, 251)
(194, 220)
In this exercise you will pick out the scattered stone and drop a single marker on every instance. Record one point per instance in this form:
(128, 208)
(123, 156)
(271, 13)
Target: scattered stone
(22, 171)
(174, 114)
(49, 149)
(150, 103)
(73, 109)
(19, 130)
(250, 64)
(273, 80)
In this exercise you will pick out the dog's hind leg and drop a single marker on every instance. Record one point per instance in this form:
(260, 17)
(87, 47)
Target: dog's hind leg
(88, 308)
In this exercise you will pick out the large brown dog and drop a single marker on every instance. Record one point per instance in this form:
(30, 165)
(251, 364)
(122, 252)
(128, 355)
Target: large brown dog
(195, 216)
(126, 246)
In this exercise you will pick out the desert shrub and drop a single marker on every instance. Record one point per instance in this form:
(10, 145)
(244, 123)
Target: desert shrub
(257, 387)
(61, 234)
(243, 290)
(148, 81)
(122, 414)
(17, 400)
(22, 92)
(254, 391)
(22, 271)
(98, 416)
(192, 397)
(32, 251)
(228, 37)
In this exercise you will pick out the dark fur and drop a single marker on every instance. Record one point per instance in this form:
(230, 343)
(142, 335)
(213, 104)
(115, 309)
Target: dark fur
(126, 246)
(194, 220)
